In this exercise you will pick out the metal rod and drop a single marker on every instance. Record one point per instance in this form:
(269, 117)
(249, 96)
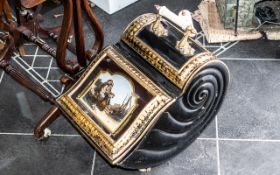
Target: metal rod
(236, 17)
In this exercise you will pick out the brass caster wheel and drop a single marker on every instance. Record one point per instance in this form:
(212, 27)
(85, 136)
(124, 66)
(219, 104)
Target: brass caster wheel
(47, 133)
(70, 39)
(91, 4)
(145, 170)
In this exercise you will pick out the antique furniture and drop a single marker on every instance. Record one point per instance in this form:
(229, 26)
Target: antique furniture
(27, 26)
(143, 100)
(5, 55)
(27, 18)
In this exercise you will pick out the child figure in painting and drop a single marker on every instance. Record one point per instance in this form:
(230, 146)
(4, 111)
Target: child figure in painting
(102, 94)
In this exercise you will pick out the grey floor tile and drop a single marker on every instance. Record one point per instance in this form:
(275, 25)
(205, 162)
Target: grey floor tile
(250, 158)
(210, 131)
(42, 61)
(261, 48)
(31, 49)
(22, 155)
(251, 107)
(20, 110)
(199, 159)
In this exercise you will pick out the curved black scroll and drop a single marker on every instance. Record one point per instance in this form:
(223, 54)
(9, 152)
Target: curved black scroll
(183, 122)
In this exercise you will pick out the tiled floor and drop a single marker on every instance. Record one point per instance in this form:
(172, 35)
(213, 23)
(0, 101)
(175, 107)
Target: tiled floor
(243, 140)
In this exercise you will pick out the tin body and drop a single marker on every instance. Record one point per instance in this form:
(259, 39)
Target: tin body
(141, 101)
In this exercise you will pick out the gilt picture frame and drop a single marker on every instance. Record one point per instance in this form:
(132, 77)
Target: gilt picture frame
(105, 101)
(148, 101)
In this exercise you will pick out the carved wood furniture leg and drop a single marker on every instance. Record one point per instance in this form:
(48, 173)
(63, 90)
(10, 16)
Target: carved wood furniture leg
(7, 11)
(99, 34)
(79, 34)
(2, 24)
(29, 22)
(6, 52)
(67, 81)
(8, 23)
(6, 15)
(40, 31)
(44, 32)
(46, 121)
(39, 42)
(52, 114)
(18, 76)
(30, 3)
(62, 41)
(26, 82)
(31, 19)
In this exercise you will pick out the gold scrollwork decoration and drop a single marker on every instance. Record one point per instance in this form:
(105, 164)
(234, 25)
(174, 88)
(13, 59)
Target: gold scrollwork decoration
(184, 44)
(157, 27)
(115, 150)
(177, 76)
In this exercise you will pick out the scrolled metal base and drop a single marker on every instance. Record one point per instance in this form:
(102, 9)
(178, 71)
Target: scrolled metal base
(183, 122)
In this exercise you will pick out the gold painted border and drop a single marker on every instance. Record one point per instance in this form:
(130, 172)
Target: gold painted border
(178, 76)
(114, 151)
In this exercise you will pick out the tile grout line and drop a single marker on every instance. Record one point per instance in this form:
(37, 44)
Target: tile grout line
(217, 146)
(93, 163)
(35, 56)
(66, 135)
(2, 76)
(17, 134)
(250, 59)
(42, 81)
(221, 48)
(49, 69)
(52, 68)
(225, 48)
(240, 140)
(31, 134)
(250, 140)
(199, 138)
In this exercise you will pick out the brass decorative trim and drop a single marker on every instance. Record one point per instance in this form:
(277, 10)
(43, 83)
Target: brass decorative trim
(184, 45)
(158, 28)
(178, 76)
(115, 150)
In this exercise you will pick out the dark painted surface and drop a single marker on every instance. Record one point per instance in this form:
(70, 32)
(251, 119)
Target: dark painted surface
(250, 112)
(251, 109)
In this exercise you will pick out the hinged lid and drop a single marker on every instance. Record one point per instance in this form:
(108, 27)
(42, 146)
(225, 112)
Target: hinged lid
(161, 52)
(114, 104)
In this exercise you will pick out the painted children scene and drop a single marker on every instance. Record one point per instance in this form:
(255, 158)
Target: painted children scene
(111, 99)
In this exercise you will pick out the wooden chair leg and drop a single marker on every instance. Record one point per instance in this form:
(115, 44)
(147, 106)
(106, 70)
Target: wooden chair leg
(22, 79)
(46, 121)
